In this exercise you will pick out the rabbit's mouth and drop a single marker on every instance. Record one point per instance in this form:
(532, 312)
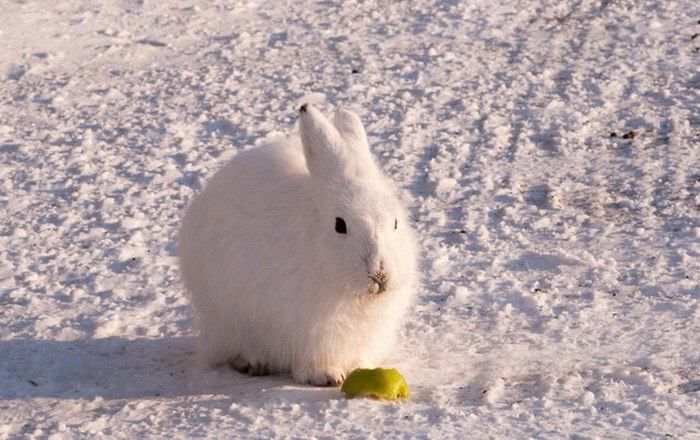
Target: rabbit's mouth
(378, 283)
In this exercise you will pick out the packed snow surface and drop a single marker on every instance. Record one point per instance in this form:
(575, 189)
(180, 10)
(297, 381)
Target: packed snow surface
(549, 152)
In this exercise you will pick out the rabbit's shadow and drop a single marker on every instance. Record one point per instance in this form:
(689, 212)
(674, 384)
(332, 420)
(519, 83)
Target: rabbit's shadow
(119, 368)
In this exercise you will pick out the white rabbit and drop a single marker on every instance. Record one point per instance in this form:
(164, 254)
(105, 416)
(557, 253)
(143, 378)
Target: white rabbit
(299, 257)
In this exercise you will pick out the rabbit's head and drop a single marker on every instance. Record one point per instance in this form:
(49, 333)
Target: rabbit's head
(361, 231)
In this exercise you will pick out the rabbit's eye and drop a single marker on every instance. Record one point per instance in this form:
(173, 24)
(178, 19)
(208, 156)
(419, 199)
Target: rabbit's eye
(340, 226)
(396, 224)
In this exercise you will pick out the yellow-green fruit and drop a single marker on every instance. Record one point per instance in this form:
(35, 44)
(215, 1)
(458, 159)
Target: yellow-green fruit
(379, 383)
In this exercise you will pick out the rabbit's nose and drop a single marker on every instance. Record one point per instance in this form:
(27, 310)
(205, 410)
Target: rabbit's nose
(379, 280)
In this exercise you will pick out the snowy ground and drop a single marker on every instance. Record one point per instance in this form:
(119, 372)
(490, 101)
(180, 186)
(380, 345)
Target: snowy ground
(561, 277)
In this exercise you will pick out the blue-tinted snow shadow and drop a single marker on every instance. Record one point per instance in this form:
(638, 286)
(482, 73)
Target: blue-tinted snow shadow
(118, 368)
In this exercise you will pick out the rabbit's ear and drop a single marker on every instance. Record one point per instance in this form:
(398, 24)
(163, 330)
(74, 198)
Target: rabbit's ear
(350, 127)
(324, 148)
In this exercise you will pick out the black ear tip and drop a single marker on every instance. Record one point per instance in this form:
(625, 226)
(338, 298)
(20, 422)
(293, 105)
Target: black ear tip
(303, 108)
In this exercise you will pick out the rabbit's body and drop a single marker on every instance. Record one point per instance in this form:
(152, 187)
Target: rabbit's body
(274, 286)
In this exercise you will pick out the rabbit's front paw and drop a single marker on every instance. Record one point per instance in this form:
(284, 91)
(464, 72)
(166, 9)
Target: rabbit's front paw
(239, 363)
(324, 377)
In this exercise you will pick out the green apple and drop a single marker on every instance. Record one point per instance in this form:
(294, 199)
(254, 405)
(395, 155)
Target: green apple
(379, 383)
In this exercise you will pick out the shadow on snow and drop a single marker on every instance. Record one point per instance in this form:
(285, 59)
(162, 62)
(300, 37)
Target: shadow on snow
(118, 368)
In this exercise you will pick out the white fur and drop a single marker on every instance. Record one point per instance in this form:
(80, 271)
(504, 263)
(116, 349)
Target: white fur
(273, 285)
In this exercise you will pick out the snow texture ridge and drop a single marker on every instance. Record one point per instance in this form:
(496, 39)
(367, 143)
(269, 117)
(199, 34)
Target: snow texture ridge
(550, 151)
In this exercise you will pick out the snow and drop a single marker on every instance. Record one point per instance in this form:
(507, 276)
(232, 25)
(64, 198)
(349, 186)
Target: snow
(549, 152)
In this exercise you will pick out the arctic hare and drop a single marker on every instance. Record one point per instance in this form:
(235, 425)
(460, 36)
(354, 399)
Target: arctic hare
(298, 256)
